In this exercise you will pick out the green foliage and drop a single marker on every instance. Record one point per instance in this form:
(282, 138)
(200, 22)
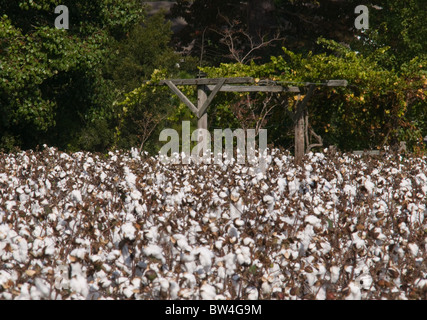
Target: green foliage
(144, 108)
(51, 80)
(379, 106)
(400, 25)
(144, 49)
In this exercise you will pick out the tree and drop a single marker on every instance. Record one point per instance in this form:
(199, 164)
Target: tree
(145, 48)
(51, 81)
(144, 54)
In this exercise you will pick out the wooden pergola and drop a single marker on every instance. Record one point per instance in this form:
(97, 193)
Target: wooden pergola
(207, 89)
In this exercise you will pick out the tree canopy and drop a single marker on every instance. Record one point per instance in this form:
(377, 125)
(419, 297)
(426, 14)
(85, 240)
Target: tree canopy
(85, 87)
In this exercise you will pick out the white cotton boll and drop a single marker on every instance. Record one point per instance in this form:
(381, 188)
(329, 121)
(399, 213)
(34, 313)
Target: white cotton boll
(79, 253)
(208, 292)
(230, 263)
(189, 279)
(50, 247)
(413, 247)
(243, 255)
(113, 255)
(406, 185)
(187, 257)
(213, 227)
(79, 285)
(350, 190)
(135, 195)
(183, 245)
(293, 186)
(365, 281)
(154, 251)
(313, 220)
(252, 293)
(37, 248)
(164, 285)
(326, 247)
(128, 292)
(266, 288)
(43, 287)
(327, 186)
(281, 183)
(4, 231)
(20, 254)
(369, 185)
(218, 244)
(173, 290)
(248, 241)
(25, 293)
(222, 194)
(5, 277)
(76, 196)
(335, 274)
(321, 295)
(239, 222)
(128, 231)
(268, 199)
(205, 258)
(421, 283)
(355, 293)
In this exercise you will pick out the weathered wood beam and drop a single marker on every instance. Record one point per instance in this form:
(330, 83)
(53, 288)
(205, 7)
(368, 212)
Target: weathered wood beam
(212, 95)
(240, 88)
(336, 83)
(206, 81)
(181, 96)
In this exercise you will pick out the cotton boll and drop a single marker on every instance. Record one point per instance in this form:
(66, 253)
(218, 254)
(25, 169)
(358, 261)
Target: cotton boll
(76, 196)
(218, 244)
(25, 293)
(313, 220)
(43, 287)
(128, 231)
(369, 186)
(252, 293)
(365, 281)
(208, 292)
(79, 253)
(266, 288)
(355, 293)
(281, 183)
(335, 273)
(20, 252)
(205, 258)
(154, 251)
(413, 248)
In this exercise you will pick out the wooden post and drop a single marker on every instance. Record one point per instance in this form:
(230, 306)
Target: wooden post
(299, 136)
(216, 85)
(202, 123)
(299, 121)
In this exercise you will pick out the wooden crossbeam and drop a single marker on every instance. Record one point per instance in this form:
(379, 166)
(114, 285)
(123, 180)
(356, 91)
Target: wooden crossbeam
(206, 81)
(212, 95)
(181, 96)
(253, 88)
(215, 85)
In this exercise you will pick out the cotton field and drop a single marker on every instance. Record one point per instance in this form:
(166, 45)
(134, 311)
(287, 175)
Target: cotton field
(127, 226)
